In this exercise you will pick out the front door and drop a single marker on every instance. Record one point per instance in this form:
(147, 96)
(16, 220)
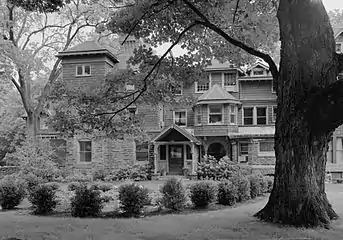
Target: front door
(176, 156)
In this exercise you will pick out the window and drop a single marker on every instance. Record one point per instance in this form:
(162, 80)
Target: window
(201, 87)
(180, 118)
(257, 72)
(163, 152)
(267, 146)
(129, 87)
(176, 90)
(232, 115)
(188, 153)
(273, 86)
(261, 115)
(85, 151)
(229, 79)
(43, 124)
(274, 114)
(338, 47)
(215, 114)
(243, 149)
(83, 70)
(198, 116)
(142, 151)
(248, 116)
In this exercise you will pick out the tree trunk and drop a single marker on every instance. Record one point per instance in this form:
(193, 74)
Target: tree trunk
(308, 65)
(32, 124)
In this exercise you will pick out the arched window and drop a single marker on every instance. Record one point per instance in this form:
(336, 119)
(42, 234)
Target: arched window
(216, 150)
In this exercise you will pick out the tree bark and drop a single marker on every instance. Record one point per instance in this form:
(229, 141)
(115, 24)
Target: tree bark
(308, 65)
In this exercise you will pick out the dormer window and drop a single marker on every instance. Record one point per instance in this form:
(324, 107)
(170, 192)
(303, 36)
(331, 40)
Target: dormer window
(339, 47)
(83, 70)
(258, 72)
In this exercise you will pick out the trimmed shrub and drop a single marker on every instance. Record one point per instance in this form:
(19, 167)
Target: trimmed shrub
(102, 187)
(173, 194)
(100, 174)
(73, 186)
(86, 202)
(31, 180)
(227, 193)
(78, 177)
(12, 192)
(243, 187)
(136, 172)
(256, 182)
(43, 198)
(270, 183)
(133, 197)
(211, 169)
(202, 194)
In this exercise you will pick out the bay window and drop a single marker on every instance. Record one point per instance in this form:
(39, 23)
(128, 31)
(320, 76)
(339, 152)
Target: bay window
(215, 114)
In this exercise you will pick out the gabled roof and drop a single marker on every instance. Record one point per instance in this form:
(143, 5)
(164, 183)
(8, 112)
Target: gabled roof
(218, 66)
(216, 94)
(182, 131)
(265, 66)
(337, 32)
(88, 48)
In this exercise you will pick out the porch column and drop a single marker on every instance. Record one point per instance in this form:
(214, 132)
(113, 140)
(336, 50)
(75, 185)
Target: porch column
(234, 153)
(155, 157)
(194, 159)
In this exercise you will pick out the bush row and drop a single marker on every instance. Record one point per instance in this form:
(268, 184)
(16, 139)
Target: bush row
(87, 199)
(212, 169)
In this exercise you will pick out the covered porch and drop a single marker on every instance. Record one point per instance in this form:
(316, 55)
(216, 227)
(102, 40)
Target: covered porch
(175, 150)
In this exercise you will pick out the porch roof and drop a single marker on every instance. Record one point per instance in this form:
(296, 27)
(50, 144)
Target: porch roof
(184, 132)
(254, 131)
(217, 95)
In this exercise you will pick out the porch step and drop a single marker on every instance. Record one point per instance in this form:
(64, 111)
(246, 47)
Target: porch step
(178, 177)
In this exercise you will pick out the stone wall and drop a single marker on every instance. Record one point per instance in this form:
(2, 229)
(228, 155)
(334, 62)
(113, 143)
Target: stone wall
(106, 153)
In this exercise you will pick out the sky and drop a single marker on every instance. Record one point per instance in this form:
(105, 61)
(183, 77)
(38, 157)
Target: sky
(329, 5)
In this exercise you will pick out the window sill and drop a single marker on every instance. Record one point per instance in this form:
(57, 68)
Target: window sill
(83, 75)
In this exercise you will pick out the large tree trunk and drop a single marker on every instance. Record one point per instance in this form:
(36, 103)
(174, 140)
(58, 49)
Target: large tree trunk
(308, 65)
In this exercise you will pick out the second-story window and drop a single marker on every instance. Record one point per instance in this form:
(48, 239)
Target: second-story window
(180, 118)
(338, 47)
(198, 117)
(261, 115)
(233, 115)
(215, 114)
(177, 89)
(83, 70)
(274, 114)
(248, 116)
(229, 79)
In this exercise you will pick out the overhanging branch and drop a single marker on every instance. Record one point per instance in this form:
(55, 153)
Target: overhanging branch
(250, 50)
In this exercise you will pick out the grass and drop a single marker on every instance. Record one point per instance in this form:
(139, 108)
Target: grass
(227, 223)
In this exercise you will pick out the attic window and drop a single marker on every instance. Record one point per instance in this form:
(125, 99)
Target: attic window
(83, 70)
(257, 72)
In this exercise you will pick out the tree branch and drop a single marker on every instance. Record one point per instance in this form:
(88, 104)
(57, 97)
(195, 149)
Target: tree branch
(324, 108)
(235, 13)
(153, 69)
(250, 50)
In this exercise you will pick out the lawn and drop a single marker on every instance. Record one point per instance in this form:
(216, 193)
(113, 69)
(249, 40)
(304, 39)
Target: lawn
(229, 223)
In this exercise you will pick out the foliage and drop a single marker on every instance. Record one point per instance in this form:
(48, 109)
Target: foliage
(43, 198)
(210, 168)
(270, 182)
(78, 177)
(12, 192)
(101, 186)
(256, 185)
(133, 197)
(39, 5)
(87, 202)
(173, 194)
(136, 172)
(243, 187)
(73, 186)
(203, 193)
(36, 157)
(227, 193)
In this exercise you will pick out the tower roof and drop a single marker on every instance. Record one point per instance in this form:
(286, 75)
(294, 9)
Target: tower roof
(89, 48)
